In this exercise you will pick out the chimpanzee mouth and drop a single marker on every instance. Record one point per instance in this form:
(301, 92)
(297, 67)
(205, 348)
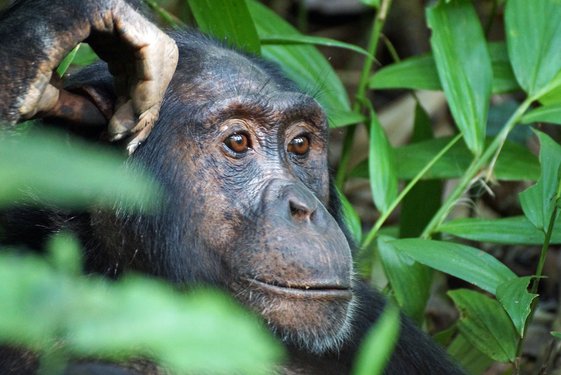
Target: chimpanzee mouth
(312, 291)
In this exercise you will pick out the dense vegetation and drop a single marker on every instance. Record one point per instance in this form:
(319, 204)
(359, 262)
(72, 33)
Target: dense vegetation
(87, 316)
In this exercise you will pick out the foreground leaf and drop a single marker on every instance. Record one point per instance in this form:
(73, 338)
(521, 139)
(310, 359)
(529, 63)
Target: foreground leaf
(464, 262)
(517, 301)
(485, 324)
(378, 345)
(549, 113)
(199, 332)
(41, 166)
(227, 20)
(464, 67)
(509, 231)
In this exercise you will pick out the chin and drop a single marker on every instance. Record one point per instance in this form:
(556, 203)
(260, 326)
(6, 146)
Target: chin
(314, 320)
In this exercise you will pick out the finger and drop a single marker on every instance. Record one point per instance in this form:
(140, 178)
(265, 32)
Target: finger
(122, 122)
(75, 110)
(41, 96)
(137, 140)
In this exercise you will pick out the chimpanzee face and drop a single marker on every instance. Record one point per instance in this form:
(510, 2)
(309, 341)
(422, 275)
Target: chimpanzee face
(243, 159)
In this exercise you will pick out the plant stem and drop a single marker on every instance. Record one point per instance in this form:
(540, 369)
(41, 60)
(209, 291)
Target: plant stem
(474, 168)
(169, 18)
(374, 231)
(543, 253)
(358, 105)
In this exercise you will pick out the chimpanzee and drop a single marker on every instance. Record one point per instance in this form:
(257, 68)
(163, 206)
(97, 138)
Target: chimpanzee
(241, 153)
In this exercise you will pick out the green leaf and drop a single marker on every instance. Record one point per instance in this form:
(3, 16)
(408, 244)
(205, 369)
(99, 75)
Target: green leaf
(464, 67)
(314, 40)
(419, 73)
(45, 166)
(199, 332)
(509, 231)
(423, 201)
(464, 262)
(468, 356)
(402, 272)
(227, 20)
(515, 161)
(303, 64)
(548, 113)
(381, 165)
(517, 301)
(485, 325)
(65, 63)
(378, 345)
(533, 31)
(371, 3)
(539, 200)
(64, 253)
(351, 218)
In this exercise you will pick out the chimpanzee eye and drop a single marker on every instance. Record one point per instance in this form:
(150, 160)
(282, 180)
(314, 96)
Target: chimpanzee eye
(238, 142)
(299, 145)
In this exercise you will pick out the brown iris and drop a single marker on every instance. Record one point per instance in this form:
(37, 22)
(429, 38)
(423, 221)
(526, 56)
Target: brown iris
(299, 145)
(238, 142)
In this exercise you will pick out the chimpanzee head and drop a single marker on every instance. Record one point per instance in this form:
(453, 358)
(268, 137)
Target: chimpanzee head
(242, 156)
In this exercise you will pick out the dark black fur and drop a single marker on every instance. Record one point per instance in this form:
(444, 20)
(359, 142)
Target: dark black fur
(157, 244)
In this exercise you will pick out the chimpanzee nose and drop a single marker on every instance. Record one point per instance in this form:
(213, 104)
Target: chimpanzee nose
(302, 204)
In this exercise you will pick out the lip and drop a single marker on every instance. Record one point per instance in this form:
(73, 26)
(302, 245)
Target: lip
(318, 291)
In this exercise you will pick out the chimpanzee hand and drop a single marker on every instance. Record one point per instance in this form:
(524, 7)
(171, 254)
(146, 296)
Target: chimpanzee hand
(35, 35)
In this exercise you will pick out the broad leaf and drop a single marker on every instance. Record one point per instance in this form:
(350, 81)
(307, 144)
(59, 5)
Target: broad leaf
(199, 332)
(464, 262)
(533, 31)
(313, 40)
(378, 345)
(402, 272)
(468, 356)
(538, 201)
(509, 231)
(46, 167)
(351, 218)
(515, 162)
(227, 20)
(485, 324)
(549, 113)
(303, 64)
(464, 67)
(381, 165)
(419, 73)
(517, 301)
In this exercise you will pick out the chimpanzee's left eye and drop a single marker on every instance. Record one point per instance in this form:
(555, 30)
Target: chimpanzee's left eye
(300, 145)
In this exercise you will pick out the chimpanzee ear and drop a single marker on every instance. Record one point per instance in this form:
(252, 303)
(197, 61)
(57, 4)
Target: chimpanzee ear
(86, 102)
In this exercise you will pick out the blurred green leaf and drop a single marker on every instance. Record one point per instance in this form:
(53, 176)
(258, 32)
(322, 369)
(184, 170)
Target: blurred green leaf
(402, 272)
(485, 325)
(381, 166)
(517, 301)
(371, 3)
(464, 67)
(379, 344)
(64, 253)
(548, 113)
(464, 262)
(516, 230)
(533, 31)
(515, 161)
(538, 201)
(227, 20)
(303, 64)
(472, 360)
(90, 317)
(47, 167)
(313, 40)
(419, 73)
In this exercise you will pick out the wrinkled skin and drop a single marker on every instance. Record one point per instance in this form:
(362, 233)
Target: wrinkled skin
(241, 153)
